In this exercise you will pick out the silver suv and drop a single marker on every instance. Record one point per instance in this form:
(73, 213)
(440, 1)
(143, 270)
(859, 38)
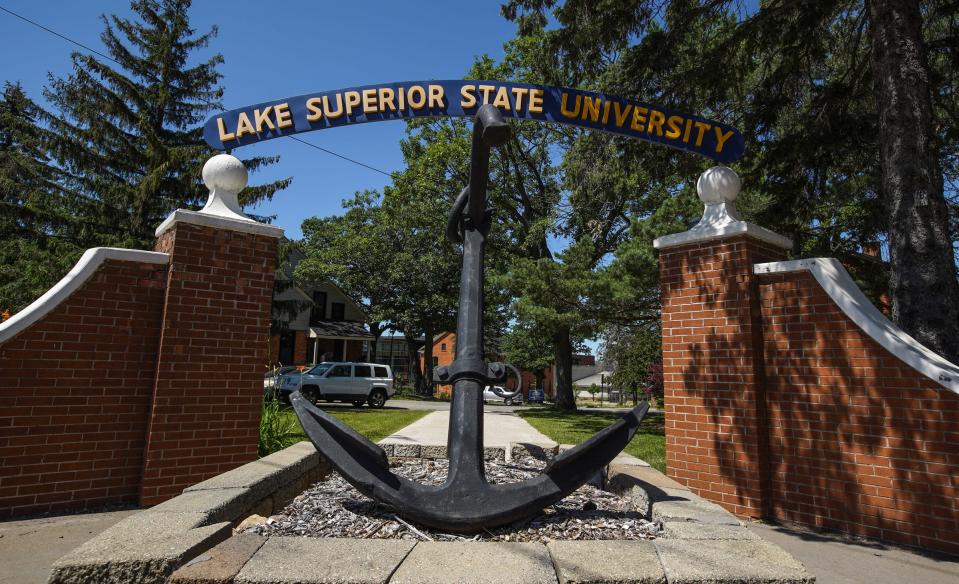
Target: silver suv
(356, 383)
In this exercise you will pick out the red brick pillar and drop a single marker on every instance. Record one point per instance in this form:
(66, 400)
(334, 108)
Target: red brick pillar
(215, 338)
(712, 350)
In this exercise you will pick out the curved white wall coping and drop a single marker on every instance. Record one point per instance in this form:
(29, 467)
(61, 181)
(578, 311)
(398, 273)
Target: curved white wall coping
(837, 282)
(89, 262)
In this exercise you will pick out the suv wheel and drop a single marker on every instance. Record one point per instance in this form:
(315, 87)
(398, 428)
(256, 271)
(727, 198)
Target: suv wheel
(358, 402)
(377, 398)
(310, 393)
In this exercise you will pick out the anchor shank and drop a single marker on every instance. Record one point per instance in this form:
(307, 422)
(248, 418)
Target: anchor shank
(465, 439)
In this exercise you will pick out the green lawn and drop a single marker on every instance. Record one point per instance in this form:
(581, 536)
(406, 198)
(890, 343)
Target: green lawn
(280, 427)
(649, 443)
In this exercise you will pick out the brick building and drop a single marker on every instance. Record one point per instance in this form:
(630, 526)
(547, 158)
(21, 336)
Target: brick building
(327, 325)
(444, 350)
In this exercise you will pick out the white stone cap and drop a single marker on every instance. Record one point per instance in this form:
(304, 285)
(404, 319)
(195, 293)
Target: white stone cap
(91, 259)
(839, 285)
(718, 188)
(225, 176)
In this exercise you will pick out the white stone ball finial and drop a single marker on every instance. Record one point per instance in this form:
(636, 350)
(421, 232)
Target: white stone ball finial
(225, 176)
(719, 184)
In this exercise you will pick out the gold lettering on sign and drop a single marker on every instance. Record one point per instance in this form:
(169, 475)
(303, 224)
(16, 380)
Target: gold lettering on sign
(352, 99)
(591, 108)
(656, 120)
(721, 138)
(502, 99)
(417, 97)
(331, 114)
(313, 105)
(518, 94)
(536, 101)
(436, 96)
(369, 101)
(243, 126)
(639, 118)
(224, 135)
(562, 106)
(261, 118)
(386, 97)
(283, 117)
(672, 127)
(468, 95)
(702, 127)
(486, 90)
(621, 114)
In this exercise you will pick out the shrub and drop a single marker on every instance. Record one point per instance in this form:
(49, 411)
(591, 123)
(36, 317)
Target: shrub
(279, 428)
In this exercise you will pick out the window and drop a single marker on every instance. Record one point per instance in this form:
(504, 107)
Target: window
(318, 312)
(381, 372)
(287, 348)
(443, 348)
(340, 371)
(337, 311)
(436, 361)
(362, 371)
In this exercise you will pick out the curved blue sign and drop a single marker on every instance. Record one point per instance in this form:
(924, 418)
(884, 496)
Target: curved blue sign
(461, 98)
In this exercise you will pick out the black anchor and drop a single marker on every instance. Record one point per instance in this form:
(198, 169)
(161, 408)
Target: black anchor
(466, 502)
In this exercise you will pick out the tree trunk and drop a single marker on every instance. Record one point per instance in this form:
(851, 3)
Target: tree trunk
(428, 362)
(563, 349)
(413, 356)
(923, 285)
(377, 332)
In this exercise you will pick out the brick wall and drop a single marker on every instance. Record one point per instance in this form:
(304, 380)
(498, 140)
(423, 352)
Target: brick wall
(214, 344)
(711, 386)
(778, 405)
(75, 390)
(859, 441)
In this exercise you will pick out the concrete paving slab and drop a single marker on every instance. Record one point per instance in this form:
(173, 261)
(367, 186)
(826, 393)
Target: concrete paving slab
(841, 559)
(29, 547)
(313, 560)
(623, 477)
(499, 430)
(743, 561)
(606, 562)
(145, 561)
(220, 564)
(671, 505)
(476, 563)
(693, 530)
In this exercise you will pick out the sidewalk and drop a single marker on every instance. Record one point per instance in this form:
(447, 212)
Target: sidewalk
(29, 547)
(499, 430)
(835, 559)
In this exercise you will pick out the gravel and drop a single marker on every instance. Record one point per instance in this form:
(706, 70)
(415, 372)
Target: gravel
(333, 508)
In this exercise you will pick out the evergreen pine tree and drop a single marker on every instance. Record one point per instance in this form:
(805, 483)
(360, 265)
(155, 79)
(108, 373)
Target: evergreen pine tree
(39, 239)
(130, 131)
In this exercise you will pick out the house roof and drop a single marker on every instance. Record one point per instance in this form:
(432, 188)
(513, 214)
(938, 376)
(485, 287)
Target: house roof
(340, 329)
(595, 378)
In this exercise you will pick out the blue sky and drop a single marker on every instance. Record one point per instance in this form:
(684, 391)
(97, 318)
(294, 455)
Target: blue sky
(280, 49)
